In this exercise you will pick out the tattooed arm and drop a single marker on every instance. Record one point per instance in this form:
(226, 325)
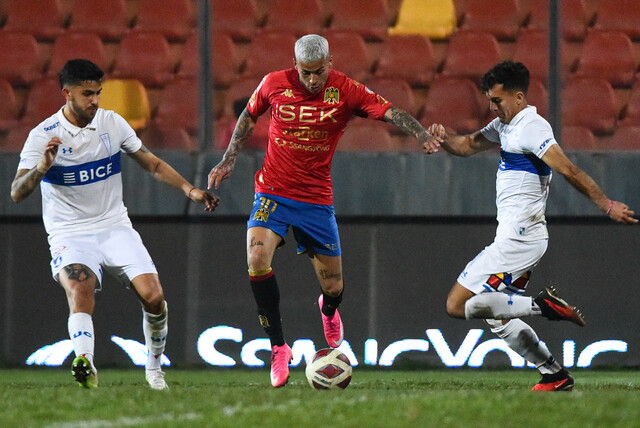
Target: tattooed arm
(241, 134)
(26, 180)
(410, 126)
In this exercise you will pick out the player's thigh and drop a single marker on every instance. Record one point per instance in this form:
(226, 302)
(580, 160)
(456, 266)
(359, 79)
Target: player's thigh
(261, 245)
(329, 272)
(505, 265)
(125, 255)
(76, 259)
(149, 290)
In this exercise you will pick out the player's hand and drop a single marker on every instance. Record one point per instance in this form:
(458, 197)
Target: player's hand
(438, 134)
(620, 212)
(210, 201)
(220, 172)
(50, 152)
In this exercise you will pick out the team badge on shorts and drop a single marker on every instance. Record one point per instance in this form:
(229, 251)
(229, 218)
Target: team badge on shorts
(261, 214)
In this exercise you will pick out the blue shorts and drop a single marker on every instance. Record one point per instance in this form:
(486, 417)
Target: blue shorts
(314, 226)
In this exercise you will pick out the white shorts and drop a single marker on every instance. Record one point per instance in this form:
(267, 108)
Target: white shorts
(505, 266)
(119, 250)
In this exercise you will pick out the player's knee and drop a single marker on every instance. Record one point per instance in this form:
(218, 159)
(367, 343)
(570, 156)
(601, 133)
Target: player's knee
(257, 259)
(455, 308)
(154, 301)
(333, 288)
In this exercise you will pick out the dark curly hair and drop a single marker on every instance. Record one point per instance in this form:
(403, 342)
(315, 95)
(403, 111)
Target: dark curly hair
(512, 76)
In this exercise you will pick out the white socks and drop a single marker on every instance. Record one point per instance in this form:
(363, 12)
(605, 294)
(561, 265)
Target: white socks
(80, 327)
(155, 336)
(498, 306)
(521, 338)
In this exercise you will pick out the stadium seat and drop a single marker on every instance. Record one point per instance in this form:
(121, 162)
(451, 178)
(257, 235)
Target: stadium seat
(128, 98)
(238, 18)
(625, 138)
(453, 102)
(435, 19)
(271, 51)
(20, 64)
(574, 18)
(44, 99)
(471, 54)
(16, 137)
(409, 57)
(499, 18)
(300, 17)
(631, 113)
(368, 135)
(146, 57)
(77, 45)
(242, 88)
(174, 19)
(350, 55)
(105, 18)
(619, 15)
(589, 102)
(43, 19)
(577, 138)
(397, 91)
(224, 57)
(609, 55)
(178, 106)
(168, 139)
(538, 96)
(369, 18)
(532, 49)
(8, 107)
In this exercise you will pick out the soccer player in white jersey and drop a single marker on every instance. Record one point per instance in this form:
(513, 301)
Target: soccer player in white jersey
(491, 286)
(75, 157)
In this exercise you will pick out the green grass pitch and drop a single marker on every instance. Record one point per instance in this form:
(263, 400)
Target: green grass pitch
(48, 397)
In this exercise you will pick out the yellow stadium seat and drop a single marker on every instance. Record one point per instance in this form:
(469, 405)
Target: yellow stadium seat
(128, 98)
(433, 18)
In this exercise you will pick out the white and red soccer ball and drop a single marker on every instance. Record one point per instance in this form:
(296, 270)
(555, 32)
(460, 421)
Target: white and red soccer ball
(329, 369)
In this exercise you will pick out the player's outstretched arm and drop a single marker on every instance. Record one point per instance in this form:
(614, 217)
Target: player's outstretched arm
(410, 126)
(165, 173)
(26, 180)
(241, 133)
(460, 145)
(558, 161)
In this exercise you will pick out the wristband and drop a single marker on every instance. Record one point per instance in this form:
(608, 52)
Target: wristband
(610, 206)
(189, 194)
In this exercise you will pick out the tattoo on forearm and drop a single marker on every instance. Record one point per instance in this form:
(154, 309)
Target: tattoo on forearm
(25, 184)
(78, 272)
(325, 274)
(407, 123)
(255, 243)
(242, 132)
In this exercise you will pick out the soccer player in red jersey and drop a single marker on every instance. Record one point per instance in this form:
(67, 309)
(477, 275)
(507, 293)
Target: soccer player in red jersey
(310, 107)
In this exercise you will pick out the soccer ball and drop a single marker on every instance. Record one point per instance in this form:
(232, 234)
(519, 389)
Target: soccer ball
(329, 369)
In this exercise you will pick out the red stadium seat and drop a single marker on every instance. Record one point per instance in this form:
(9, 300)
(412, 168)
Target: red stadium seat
(15, 139)
(8, 107)
(625, 138)
(350, 55)
(619, 15)
(77, 45)
(591, 103)
(370, 18)
(539, 97)
(178, 107)
(20, 63)
(224, 57)
(272, 51)
(300, 17)
(574, 18)
(631, 115)
(453, 102)
(258, 140)
(105, 18)
(369, 135)
(409, 57)
(609, 55)
(44, 99)
(239, 89)
(43, 19)
(532, 49)
(174, 19)
(397, 91)
(471, 54)
(168, 139)
(577, 138)
(238, 18)
(499, 18)
(146, 57)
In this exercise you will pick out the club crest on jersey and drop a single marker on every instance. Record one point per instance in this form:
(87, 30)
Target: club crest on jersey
(288, 93)
(331, 95)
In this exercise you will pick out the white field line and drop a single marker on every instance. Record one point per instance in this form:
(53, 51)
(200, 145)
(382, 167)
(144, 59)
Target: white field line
(125, 422)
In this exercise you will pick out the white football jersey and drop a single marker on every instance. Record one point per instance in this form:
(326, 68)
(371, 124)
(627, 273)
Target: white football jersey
(522, 181)
(82, 192)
